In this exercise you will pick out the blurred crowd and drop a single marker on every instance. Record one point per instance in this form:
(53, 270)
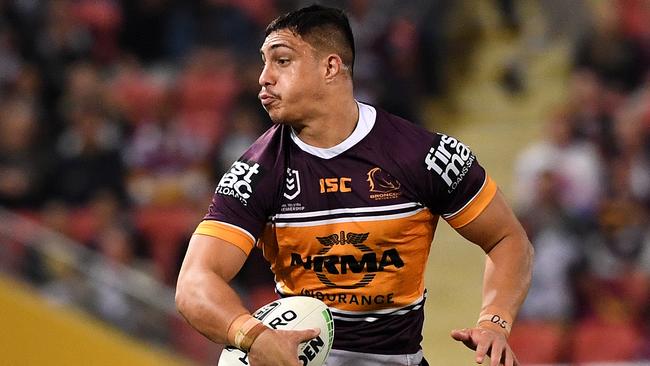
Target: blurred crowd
(583, 194)
(117, 119)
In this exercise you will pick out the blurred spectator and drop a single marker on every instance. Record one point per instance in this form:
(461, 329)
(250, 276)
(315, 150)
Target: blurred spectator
(590, 110)
(608, 52)
(10, 61)
(102, 19)
(28, 87)
(575, 163)
(635, 18)
(135, 94)
(63, 40)
(557, 253)
(89, 159)
(401, 87)
(103, 210)
(442, 46)
(24, 167)
(25, 19)
(621, 242)
(614, 285)
(631, 170)
(365, 19)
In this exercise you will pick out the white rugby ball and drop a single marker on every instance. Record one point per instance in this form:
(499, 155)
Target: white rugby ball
(296, 312)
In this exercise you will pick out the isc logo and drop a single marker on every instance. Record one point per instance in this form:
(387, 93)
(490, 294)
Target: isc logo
(328, 185)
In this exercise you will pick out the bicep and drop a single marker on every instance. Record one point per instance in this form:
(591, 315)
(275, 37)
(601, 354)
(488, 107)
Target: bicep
(496, 222)
(208, 253)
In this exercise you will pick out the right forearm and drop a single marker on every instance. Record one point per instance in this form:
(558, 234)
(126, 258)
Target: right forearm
(209, 304)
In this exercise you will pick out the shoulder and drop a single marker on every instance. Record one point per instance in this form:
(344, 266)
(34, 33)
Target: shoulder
(268, 146)
(392, 126)
(410, 141)
(397, 137)
(257, 171)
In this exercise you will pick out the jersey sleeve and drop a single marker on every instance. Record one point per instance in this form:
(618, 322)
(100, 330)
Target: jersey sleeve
(245, 195)
(457, 186)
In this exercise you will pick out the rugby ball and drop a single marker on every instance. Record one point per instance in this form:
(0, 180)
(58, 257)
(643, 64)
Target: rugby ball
(296, 312)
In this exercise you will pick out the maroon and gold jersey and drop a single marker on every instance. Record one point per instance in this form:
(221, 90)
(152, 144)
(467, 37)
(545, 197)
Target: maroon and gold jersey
(352, 225)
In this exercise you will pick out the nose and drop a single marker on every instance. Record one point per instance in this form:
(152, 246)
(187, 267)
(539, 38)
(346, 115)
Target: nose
(266, 77)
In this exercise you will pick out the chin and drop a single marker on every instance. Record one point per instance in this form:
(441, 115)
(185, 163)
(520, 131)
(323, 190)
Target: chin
(279, 116)
(275, 116)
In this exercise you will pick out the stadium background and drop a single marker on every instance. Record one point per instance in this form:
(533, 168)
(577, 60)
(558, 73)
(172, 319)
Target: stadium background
(117, 118)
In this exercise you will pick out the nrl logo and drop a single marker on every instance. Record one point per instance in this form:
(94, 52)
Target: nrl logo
(292, 184)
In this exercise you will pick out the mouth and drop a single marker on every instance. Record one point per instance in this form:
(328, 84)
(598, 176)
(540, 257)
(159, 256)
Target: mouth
(267, 98)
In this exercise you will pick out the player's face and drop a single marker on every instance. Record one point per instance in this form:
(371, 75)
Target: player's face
(291, 78)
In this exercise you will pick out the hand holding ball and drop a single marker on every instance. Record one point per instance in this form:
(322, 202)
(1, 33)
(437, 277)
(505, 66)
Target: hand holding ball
(293, 313)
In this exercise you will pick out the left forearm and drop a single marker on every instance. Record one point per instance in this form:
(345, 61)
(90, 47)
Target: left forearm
(508, 269)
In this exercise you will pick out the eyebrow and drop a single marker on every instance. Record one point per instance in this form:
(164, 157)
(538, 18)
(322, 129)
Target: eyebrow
(277, 45)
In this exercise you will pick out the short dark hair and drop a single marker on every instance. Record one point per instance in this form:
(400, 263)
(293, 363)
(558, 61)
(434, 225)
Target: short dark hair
(322, 27)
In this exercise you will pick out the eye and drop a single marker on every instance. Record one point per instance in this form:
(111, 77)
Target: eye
(283, 61)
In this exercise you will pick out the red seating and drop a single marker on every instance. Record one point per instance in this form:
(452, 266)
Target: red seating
(538, 342)
(166, 229)
(597, 341)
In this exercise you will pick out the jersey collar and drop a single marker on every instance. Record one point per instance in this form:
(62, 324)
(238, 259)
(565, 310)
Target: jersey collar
(367, 117)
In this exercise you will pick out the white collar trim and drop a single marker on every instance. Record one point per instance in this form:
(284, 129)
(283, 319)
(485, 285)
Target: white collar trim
(367, 117)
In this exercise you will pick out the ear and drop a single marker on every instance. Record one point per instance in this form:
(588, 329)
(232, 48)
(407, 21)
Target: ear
(333, 67)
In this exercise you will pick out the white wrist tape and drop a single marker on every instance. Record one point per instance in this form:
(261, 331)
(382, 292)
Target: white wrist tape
(496, 319)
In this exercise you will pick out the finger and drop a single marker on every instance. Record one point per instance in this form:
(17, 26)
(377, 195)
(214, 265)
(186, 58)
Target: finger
(510, 359)
(481, 351)
(515, 361)
(307, 334)
(460, 334)
(498, 352)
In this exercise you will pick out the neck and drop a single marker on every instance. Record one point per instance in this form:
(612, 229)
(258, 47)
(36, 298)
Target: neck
(331, 127)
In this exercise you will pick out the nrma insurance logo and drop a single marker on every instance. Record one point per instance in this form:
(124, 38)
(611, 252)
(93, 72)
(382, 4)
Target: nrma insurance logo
(357, 268)
(239, 182)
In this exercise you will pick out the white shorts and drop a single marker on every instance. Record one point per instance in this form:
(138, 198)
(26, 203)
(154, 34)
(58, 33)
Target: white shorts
(348, 358)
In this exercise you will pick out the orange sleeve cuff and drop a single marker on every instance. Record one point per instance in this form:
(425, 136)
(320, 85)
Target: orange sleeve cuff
(474, 207)
(230, 233)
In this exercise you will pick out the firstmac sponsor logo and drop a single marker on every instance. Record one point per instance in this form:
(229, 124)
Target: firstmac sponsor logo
(239, 182)
(451, 160)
